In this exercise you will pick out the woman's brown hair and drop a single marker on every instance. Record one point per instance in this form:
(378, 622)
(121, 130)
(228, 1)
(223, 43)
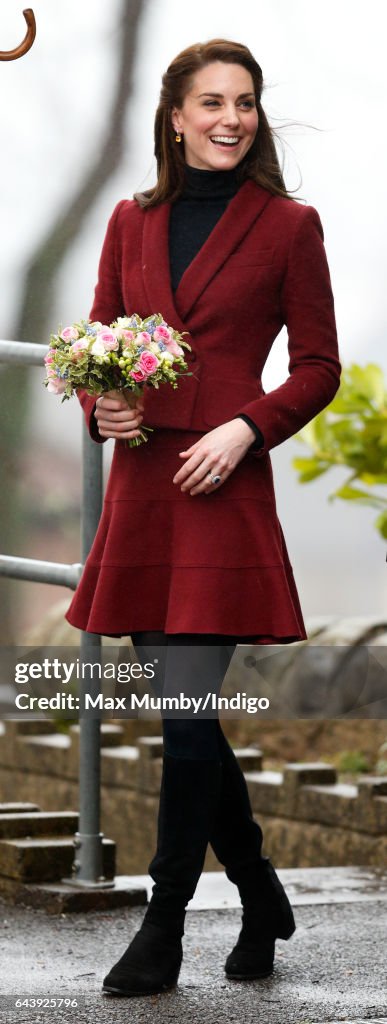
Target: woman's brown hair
(261, 162)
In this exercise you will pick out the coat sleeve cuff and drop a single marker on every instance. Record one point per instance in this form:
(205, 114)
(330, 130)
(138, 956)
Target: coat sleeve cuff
(259, 438)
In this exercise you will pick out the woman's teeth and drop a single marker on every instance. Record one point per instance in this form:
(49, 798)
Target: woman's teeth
(225, 140)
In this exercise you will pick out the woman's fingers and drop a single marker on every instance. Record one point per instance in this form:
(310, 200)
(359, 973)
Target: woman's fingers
(116, 407)
(122, 416)
(194, 461)
(124, 435)
(206, 486)
(195, 474)
(198, 476)
(116, 419)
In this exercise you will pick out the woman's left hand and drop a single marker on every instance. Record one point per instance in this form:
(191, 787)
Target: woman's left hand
(216, 453)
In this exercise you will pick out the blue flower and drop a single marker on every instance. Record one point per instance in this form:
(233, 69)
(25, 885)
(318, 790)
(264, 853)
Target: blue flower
(151, 326)
(91, 331)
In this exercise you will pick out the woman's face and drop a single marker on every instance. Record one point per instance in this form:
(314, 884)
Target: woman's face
(219, 118)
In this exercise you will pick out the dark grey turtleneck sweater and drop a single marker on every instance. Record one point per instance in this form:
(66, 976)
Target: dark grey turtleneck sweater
(193, 216)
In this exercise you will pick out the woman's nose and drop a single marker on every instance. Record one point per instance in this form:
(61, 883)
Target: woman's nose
(230, 116)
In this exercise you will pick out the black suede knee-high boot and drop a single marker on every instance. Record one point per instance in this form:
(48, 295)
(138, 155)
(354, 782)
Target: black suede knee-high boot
(236, 840)
(188, 798)
(189, 795)
(235, 837)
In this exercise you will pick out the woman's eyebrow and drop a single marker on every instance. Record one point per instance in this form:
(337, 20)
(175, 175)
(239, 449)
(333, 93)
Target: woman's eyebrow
(219, 95)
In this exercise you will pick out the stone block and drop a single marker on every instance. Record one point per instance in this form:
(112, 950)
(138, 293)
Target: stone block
(149, 765)
(310, 774)
(304, 774)
(266, 791)
(110, 733)
(57, 898)
(331, 805)
(300, 844)
(39, 823)
(45, 859)
(249, 759)
(372, 804)
(28, 726)
(18, 808)
(119, 766)
(130, 818)
(44, 755)
(150, 747)
(373, 785)
(380, 809)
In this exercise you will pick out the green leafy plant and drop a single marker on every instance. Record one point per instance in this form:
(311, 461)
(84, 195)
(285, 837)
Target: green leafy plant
(352, 432)
(352, 761)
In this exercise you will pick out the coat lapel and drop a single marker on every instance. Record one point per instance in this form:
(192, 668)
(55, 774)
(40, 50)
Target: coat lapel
(239, 216)
(155, 265)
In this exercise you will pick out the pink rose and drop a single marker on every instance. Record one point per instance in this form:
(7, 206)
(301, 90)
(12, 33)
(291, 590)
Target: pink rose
(69, 334)
(148, 362)
(162, 334)
(109, 340)
(79, 346)
(126, 335)
(138, 375)
(49, 358)
(173, 347)
(56, 386)
(143, 338)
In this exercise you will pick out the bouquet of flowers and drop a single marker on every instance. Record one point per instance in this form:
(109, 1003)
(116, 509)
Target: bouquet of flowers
(123, 357)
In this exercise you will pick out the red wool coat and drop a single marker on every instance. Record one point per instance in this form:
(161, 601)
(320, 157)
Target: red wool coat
(215, 563)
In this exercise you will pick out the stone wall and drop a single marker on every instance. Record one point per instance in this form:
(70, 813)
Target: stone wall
(308, 818)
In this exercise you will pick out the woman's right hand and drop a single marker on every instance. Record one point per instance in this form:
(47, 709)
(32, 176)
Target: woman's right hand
(115, 418)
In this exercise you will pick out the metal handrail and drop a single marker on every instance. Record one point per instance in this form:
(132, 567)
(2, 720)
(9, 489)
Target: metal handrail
(88, 863)
(58, 573)
(27, 352)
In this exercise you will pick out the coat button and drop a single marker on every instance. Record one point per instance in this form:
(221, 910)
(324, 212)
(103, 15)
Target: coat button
(192, 357)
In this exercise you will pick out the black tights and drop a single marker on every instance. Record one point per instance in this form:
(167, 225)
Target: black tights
(193, 664)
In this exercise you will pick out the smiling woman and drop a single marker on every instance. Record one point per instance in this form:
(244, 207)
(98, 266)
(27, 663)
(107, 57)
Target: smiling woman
(235, 83)
(189, 557)
(219, 118)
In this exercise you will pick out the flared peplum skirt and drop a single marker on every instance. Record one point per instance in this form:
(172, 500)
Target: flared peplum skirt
(166, 560)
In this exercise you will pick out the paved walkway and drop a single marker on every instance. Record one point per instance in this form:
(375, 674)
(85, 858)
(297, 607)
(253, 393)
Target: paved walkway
(332, 970)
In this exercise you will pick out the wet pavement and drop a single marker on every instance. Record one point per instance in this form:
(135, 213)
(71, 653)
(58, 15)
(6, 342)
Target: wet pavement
(334, 969)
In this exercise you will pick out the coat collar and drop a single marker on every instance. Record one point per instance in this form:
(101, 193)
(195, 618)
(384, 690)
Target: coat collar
(239, 216)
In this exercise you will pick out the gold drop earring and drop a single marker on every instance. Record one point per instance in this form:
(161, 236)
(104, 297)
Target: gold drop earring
(178, 137)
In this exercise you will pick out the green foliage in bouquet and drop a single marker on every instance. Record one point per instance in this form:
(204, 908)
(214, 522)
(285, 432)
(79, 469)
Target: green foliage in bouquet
(352, 432)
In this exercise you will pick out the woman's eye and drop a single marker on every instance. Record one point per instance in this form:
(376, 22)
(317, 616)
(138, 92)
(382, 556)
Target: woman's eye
(248, 104)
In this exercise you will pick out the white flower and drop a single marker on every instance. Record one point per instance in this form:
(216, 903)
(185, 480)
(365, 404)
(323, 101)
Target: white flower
(98, 349)
(123, 322)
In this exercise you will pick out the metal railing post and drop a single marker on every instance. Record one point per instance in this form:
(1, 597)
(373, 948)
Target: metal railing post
(89, 858)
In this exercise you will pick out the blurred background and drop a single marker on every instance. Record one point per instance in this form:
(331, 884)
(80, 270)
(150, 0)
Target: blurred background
(77, 136)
